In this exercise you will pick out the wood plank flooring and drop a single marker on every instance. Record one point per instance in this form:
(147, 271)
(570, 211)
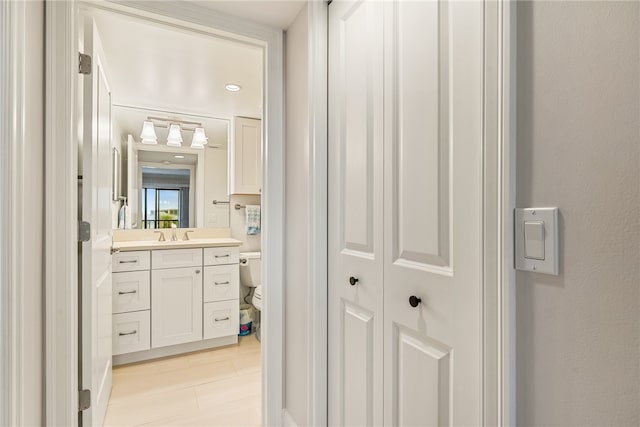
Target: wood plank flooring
(218, 387)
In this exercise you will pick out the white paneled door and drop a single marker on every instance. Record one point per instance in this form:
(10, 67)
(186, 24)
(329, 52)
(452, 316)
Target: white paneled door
(96, 301)
(355, 213)
(405, 141)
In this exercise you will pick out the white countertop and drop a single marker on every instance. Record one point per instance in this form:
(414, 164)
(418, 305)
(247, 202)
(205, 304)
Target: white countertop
(145, 245)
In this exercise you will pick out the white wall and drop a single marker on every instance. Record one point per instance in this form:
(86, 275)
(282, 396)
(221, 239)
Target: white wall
(296, 214)
(216, 165)
(578, 144)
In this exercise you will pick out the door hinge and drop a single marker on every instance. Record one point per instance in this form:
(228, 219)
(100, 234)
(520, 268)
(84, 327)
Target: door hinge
(84, 63)
(84, 400)
(84, 231)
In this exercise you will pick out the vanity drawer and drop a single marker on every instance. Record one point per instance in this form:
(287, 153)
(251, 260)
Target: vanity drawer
(131, 291)
(175, 258)
(131, 261)
(131, 332)
(221, 282)
(221, 319)
(220, 256)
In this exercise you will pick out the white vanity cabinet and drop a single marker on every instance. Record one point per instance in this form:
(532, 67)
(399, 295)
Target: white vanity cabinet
(245, 156)
(171, 301)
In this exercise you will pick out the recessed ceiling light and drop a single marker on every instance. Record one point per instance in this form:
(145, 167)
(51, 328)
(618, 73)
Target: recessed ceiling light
(232, 87)
(166, 162)
(178, 156)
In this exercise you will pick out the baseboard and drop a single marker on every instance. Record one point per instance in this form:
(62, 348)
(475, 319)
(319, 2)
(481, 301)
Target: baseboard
(173, 350)
(287, 419)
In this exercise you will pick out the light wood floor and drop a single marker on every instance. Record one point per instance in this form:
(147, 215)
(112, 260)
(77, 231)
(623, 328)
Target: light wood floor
(218, 387)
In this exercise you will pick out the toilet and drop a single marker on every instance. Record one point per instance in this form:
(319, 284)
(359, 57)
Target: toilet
(250, 277)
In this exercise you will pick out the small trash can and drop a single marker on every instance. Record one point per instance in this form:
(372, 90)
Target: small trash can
(246, 318)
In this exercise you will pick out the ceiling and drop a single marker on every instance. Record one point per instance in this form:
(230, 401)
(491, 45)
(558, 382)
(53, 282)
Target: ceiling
(278, 14)
(160, 67)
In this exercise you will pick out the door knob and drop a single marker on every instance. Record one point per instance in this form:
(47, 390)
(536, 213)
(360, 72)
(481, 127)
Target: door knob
(353, 280)
(414, 301)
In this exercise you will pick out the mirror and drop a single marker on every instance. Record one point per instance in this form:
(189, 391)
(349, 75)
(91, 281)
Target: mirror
(168, 185)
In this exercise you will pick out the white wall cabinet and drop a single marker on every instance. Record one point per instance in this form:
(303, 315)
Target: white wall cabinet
(245, 156)
(176, 306)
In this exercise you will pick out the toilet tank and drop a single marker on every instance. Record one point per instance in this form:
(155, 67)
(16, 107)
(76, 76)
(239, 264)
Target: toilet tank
(250, 269)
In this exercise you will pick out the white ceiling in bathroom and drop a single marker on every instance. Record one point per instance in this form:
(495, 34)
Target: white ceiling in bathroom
(160, 67)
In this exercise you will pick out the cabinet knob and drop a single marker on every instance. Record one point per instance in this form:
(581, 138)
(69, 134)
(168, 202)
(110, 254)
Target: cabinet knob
(353, 280)
(414, 301)
(197, 271)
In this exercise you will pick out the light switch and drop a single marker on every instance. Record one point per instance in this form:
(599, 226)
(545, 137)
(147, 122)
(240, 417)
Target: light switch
(534, 240)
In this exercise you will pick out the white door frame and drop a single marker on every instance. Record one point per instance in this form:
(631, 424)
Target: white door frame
(499, 183)
(61, 258)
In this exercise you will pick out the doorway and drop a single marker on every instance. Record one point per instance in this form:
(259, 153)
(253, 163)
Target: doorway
(263, 39)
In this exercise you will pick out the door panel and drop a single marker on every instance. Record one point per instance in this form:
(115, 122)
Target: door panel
(357, 377)
(420, 127)
(355, 212)
(423, 378)
(96, 287)
(433, 140)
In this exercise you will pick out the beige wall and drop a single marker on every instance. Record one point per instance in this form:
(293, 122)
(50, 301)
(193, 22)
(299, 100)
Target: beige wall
(578, 144)
(296, 214)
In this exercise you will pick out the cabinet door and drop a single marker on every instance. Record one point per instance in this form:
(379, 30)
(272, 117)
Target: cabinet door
(176, 306)
(245, 157)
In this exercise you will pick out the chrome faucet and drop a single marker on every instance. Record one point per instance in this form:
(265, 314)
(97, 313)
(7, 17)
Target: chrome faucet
(174, 237)
(161, 238)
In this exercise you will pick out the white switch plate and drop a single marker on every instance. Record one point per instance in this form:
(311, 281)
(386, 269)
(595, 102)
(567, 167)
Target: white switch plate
(548, 216)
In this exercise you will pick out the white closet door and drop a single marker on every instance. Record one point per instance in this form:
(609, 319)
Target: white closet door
(355, 213)
(433, 201)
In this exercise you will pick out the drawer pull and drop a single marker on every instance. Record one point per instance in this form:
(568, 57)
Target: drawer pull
(128, 292)
(220, 319)
(127, 333)
(128, 262)
(222, 256)
(221, 283)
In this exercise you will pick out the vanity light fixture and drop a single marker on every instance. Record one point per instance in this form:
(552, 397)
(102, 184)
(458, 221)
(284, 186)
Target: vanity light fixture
(175, 138)
(148, 135)
(232, 87)
(199, 138)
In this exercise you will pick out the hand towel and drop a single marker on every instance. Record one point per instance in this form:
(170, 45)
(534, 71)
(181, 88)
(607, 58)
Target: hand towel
(253, 219)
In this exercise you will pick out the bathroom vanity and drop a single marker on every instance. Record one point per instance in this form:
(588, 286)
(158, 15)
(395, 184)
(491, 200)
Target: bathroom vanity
(171, 297)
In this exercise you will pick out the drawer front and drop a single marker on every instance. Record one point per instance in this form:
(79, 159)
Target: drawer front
(131, 291)
(221, 256)
(176, 258)
(221, 319)
(131, 261)
(131, 332)
(221, 282)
